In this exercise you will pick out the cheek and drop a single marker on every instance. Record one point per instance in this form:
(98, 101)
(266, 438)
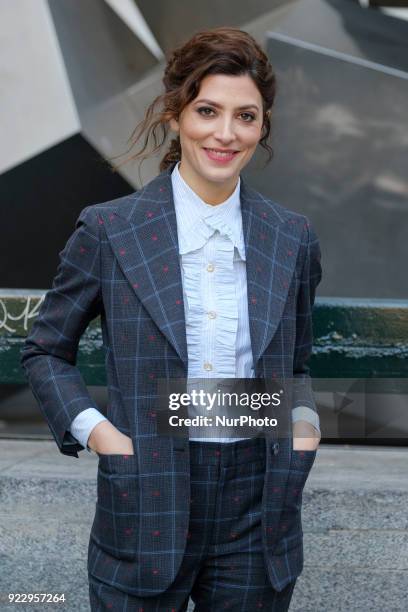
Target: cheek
(194, 130)
(252, 137)
(249, 137)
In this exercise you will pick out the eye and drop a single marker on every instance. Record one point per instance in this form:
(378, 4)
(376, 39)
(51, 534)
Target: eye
(205, 108)
(206, 111)
(250, 117)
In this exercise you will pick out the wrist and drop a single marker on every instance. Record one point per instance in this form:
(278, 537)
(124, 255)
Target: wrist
(305, 436)
(103, 433)
(106, 439)
(305, 429)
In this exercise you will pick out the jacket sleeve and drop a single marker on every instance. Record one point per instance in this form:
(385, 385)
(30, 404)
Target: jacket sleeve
(310, 278)
(50, 350)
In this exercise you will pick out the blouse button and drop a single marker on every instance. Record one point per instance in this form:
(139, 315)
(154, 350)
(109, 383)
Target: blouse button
(211, 314)
(210, 267)
(207, 366)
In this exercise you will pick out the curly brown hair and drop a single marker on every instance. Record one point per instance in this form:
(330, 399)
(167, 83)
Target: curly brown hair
(222, 50)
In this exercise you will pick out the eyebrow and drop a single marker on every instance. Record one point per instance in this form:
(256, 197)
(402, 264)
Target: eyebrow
(220, 105)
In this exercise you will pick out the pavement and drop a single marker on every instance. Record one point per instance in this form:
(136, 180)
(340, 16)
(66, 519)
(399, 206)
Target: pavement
(354, 515)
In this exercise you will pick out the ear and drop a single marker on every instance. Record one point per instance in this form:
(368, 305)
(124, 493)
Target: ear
(174, 125)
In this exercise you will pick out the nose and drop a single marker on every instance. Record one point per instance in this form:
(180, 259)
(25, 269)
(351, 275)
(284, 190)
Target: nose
(224, 132)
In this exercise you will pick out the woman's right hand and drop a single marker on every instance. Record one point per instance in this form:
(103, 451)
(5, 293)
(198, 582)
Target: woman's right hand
(106, 439)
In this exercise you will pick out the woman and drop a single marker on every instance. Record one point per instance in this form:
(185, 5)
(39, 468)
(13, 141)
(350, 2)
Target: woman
(195, 276)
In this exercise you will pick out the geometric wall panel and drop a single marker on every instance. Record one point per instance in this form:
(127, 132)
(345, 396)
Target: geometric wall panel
(173, 22)
(102, 55)
(340, 136)
(41, 200)
(37, 108)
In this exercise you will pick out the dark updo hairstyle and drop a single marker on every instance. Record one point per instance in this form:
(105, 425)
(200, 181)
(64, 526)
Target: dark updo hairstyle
(221, 50)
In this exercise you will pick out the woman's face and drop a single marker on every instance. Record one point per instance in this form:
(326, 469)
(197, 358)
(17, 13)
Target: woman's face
(219, 132)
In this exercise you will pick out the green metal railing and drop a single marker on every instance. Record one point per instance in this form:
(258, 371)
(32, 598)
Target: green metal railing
(353, 338)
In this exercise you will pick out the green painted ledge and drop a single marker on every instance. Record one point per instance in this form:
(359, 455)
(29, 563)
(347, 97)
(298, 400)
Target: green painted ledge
(353, 338)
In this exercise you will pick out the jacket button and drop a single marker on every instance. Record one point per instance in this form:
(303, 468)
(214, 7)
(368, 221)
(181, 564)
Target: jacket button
(275, 448)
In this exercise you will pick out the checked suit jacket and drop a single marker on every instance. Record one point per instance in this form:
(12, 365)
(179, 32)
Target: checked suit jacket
(122, 263)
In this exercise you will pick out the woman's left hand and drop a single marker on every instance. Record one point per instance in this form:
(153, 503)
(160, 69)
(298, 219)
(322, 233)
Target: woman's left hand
(305, 436)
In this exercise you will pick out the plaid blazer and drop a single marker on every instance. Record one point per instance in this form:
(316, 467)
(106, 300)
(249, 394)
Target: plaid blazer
(122, 263)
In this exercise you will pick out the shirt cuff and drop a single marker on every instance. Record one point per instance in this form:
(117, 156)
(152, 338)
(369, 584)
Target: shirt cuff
(84, 423)
(304, 413)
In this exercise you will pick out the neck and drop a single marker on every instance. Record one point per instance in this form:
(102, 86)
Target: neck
(210, 193)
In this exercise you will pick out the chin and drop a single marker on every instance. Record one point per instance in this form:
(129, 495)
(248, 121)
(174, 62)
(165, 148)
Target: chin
(219, 177)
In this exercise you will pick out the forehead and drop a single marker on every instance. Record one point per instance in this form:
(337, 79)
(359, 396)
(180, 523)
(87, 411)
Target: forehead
(229, 89)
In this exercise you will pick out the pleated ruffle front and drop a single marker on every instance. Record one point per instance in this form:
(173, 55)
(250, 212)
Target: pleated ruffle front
(211, 339)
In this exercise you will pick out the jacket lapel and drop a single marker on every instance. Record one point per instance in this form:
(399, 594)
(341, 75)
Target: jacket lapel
(143, 233)
(272, 240)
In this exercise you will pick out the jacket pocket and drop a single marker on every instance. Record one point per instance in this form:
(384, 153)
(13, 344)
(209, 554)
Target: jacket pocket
(116, 521)
(290, 524)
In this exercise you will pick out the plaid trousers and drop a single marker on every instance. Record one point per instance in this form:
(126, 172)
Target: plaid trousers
(223, 567)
